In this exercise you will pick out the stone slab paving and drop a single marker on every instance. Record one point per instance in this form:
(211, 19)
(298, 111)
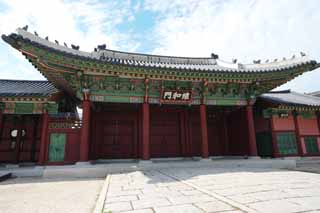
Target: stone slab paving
(208, 189)
(40, 195)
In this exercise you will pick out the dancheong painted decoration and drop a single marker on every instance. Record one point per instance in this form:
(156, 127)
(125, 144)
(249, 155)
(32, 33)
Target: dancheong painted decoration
(150, 106)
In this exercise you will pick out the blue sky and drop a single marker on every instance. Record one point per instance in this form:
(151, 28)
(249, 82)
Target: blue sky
(246, 29)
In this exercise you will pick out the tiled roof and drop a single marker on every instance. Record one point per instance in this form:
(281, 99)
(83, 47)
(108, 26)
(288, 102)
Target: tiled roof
(25, 88)
(288, 97)
(169, 62)
(316, 93)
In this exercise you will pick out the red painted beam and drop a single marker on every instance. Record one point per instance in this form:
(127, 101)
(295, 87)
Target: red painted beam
(251, 132)
(44, 138)
(84, 144)
(204, 130)
(145, 131)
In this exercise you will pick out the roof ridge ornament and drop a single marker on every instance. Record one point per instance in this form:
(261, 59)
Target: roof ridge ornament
(303, 54)
(240, 66)
(75, 47)
(101, 47)
(214, 56)
(25, 28)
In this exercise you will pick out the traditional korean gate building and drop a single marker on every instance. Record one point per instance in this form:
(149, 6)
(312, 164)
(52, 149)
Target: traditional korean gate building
(143, 106)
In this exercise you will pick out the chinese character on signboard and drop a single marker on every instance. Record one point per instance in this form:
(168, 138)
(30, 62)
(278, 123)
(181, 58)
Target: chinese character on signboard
(184, 96)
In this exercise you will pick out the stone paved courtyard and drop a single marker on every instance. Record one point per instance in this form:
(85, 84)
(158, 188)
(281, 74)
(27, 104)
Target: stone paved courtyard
(41, 195)
(213, 190)
(196, 189)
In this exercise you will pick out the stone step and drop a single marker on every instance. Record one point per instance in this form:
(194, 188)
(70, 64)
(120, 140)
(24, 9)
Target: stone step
(5, 176)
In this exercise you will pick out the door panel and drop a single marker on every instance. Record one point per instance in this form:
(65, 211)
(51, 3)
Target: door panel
(57, 147)
(22, 146)
(195, 134)
(215, 136)
(115, 135)
(165, 134)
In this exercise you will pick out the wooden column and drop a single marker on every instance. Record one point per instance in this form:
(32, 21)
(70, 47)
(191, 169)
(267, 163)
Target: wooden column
(85, 129)
(298, 136)
(146, 124)
(274, 138)
(145, 131)
(318, 119)
(19, 138)
(1, 124)
(251, 131)
(204, 131)
(44, 138)
(318, 122)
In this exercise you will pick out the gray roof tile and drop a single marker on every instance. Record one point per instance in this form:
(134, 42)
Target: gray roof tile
(288, 97)
(26, 88)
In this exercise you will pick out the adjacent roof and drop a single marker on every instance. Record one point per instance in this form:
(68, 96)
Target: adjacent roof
(288, 97)
(206, 64)
(316, 93)
(25, 88)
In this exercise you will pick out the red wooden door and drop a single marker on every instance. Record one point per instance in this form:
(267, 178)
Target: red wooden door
(165, 134)
(19, 139)
(117, 141)
(117, 136)
(195, 134)
(215, 136)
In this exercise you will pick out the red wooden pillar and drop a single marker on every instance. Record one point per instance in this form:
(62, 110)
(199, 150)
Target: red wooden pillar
(274, 138)
(84, 144)
(318, 123)
(251, 131)
(44, 139)
(1, 122)
(145, 131)
(146, 123)
(204, 130)
(298, 136)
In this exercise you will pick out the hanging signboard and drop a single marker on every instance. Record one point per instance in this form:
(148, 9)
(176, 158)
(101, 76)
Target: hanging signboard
(176, 96)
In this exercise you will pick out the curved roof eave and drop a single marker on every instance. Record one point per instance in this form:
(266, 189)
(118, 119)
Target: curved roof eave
(157, 61)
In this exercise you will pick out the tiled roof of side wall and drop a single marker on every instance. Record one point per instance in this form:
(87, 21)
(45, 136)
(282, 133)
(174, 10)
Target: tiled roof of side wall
(291, 98)
(25, 88)
(157, 61)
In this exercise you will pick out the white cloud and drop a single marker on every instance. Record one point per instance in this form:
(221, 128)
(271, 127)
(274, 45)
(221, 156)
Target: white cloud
(85, 23)
(246, 30)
